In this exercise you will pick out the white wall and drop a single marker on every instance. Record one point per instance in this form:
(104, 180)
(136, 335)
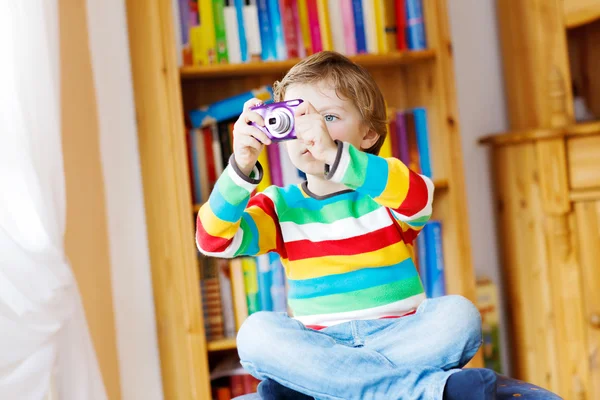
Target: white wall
(481, 103)
(130, 261)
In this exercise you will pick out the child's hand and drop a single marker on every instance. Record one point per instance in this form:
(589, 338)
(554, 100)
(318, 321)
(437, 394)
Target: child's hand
(248, 140)
(311, 129)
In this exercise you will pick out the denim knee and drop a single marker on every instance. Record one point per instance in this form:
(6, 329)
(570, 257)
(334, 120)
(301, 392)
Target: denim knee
(463, 319)
(257, 335)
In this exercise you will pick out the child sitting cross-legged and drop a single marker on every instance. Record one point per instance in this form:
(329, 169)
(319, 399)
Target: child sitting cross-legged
(361, 326)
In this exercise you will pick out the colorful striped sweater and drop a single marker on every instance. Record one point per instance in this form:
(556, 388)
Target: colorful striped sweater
(346, 255)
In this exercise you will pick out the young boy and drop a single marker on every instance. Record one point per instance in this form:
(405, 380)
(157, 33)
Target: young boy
(361, 326)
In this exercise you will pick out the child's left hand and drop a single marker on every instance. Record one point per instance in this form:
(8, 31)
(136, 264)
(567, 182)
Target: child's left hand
(311, 129)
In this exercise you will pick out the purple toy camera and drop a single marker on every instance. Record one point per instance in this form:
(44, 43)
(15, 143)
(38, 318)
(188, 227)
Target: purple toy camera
(279, 119)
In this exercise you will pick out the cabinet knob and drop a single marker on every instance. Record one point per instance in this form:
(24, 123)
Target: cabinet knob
(595, 320)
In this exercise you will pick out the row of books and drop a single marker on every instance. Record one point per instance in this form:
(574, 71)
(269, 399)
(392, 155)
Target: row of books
(236, 31)
(229, 379)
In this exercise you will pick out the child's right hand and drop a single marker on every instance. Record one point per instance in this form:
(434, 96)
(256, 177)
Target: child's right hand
(248, 140)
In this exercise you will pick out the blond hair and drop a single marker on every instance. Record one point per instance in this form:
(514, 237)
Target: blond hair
(350, 81)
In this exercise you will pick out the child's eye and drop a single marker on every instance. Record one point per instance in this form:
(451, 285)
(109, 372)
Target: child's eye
(330, 118)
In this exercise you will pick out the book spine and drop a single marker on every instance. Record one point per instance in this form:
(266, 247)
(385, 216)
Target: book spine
(324, 24)
(276, 24)
(298, 28)
(422, 132)
(337, 26)
(390, 28)
(289, 171)
(252, 28)
(239, 13)
(209, 157)
(414, 159)
(265, 282)
(380, 26)
(313, 23)
(185, 22)
(207, 23)
(370, 26)
(305, 26)
(359, 24)
(289, 28)
(386, 147)
(402, 137)
(415, 25)
(217, 150)
(240, 303)
(393, 134)
(251, 284)
(278, 292)
(202, 165)
(422, 260)
(266, 32)
(220, 33)
(435, 259)
(348, 28)
(192, 138)
(401, 25)
(226, 297)
(234, 52)
(275, 165)
(263, 159)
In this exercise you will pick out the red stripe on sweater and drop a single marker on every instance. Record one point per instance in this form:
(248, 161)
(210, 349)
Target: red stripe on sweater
(319, 327)
(209, 242)
(302, 249)
(416, 198)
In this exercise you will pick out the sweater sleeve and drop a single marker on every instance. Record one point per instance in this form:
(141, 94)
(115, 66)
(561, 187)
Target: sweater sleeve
(232, 223)
(388, 181)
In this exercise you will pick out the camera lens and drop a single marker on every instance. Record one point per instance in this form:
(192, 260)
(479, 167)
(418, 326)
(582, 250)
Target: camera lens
(280, 122)
(272, 121)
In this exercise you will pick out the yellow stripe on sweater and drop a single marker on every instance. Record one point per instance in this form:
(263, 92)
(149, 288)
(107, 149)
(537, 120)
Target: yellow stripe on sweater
(329, 265)
(215, 226)
(396, 188)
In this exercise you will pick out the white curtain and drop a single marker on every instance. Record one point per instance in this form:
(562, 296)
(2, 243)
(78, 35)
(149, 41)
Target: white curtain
(44, 339)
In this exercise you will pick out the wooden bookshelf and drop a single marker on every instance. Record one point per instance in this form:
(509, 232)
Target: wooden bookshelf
(222, 344)
(276, 67)
(164, 92)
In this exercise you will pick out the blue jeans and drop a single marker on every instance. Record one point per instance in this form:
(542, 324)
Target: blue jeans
(401, 358)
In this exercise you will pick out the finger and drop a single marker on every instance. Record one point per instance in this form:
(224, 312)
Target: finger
(251, 103)
(256, 133)
(301, 109)
(249, 141)
(251, 116)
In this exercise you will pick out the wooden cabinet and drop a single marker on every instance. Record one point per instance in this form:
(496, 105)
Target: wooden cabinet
(547, 189)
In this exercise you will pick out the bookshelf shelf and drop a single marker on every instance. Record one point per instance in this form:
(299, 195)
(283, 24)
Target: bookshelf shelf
(440, 184)
(221, 344)
(273, 67)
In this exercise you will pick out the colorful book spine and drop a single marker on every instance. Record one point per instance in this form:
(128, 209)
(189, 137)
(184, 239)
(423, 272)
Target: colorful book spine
(265, 282)
(434, 260)
(275, 165)
(422, 131)
(313, 24)
(368, 8)
(289, 28)
(402, 137)
(207, 25)
(266, 32)
(380, 26)
(324, 24)
(187, 19)
(337, 26)
(220, 31)
(415, 25)
(263, 159)
(252, 29)
(278, 292)
(194, 155)
(348, 28)
(239, 12)
(238, 287)
(386, 147)
(234, 51)
(277, 26)
(251, 284)
(359, 24)
(305, 26)
(294, 4)
(401, 25)
(228, 108)
(390, 28)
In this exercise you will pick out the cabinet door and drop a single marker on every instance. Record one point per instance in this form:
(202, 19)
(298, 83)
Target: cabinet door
(588, 231)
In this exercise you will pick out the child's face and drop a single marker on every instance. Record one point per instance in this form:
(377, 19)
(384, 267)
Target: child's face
(343, 120)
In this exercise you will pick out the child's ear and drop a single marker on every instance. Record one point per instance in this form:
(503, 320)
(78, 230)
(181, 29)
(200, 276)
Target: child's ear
(369, 139)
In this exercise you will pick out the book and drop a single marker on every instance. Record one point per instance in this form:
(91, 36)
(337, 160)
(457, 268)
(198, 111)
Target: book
(487, 303)
(431, 259)
(218, 7)
(415, 32)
